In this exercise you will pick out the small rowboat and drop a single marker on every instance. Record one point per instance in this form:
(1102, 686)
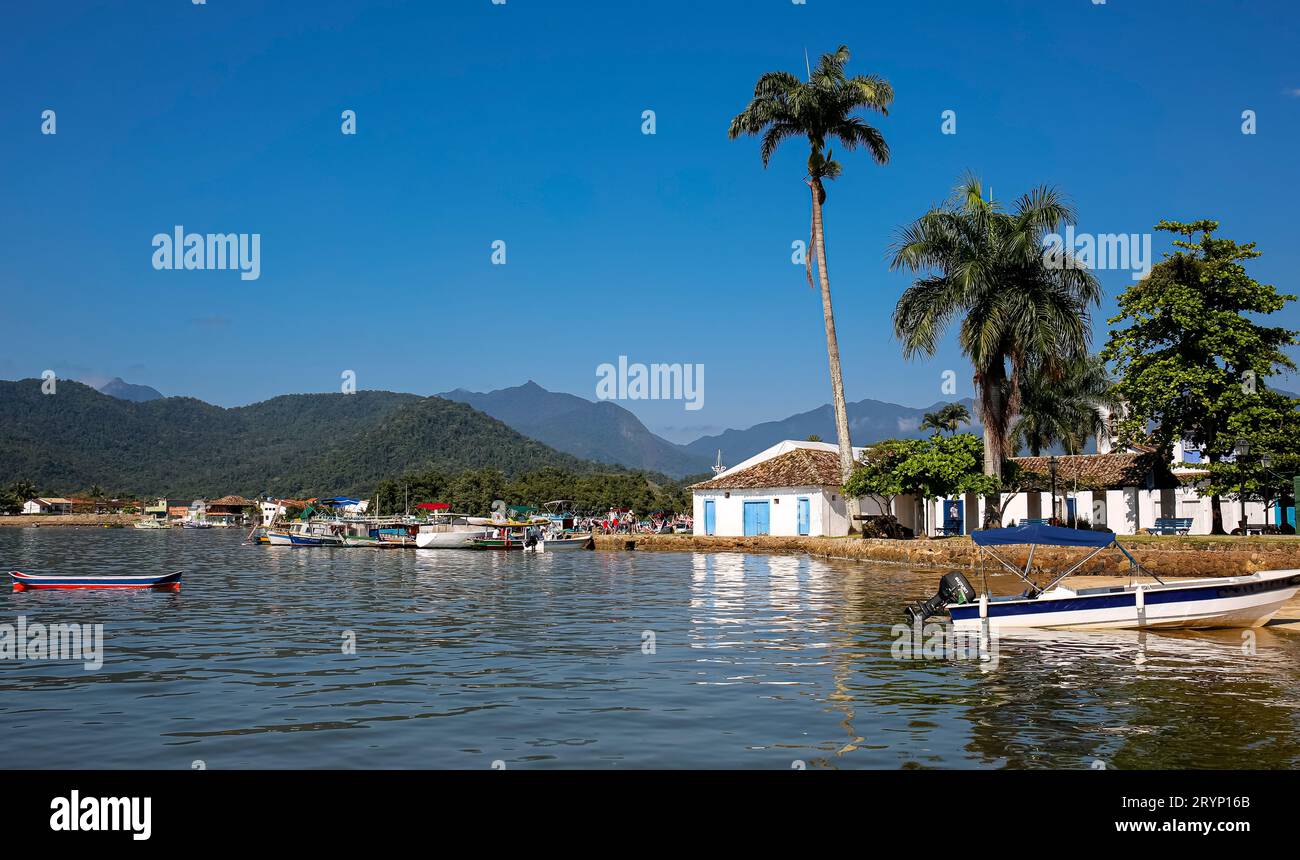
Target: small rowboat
(162, 582)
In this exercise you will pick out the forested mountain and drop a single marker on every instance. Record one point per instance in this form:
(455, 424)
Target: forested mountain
(301, 444)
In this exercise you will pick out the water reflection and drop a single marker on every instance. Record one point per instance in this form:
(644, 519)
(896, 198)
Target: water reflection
(464, 658)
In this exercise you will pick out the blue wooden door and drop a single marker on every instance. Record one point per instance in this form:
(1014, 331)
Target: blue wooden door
(757, 518)
(710, 516)
(805, 510)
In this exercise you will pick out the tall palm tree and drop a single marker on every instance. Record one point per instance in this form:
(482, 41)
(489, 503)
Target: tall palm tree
(1064, 407)
(820, 109)
(978, 260)
(948, 417)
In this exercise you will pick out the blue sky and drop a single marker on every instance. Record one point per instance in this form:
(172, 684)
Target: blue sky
(523, 122)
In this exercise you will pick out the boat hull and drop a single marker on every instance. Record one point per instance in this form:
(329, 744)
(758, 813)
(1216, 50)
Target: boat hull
(447, 540)
(568, 543)
(289, 539)
(497, 544)
(33, 582)
(1233, 602)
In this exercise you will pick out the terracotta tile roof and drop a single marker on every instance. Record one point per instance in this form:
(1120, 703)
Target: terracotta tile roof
(802, 467)
(1101, 471)
(238, 501)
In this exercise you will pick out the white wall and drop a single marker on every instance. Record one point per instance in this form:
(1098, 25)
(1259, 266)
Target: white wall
(826, 511)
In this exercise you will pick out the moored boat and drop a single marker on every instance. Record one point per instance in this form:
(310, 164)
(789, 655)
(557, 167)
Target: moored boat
(152, 524)
(510, 536)
(306, 534)
(28, 581)
(554, 541)
(452, 531)
(1216, 602)
(560, 532)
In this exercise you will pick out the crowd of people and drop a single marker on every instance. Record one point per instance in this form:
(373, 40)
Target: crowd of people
(627, 522)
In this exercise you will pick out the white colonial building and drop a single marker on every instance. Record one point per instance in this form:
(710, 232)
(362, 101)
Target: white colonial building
(793, 488)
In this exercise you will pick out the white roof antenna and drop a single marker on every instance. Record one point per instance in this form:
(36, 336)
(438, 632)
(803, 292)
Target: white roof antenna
(718, 468)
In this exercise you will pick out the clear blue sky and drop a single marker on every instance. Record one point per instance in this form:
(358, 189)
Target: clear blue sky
(522, 122)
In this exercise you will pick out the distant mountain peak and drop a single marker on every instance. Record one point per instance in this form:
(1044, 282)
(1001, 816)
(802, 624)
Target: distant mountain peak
(123, 390)
(594, 430)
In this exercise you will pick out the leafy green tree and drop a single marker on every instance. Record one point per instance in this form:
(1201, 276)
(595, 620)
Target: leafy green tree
(1063, 407)
(1192, 359)
(938, 467)
(821, 110)
(948, 417)
(22, 490)
(986, 266)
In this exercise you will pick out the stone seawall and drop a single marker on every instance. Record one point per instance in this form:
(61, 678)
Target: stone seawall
(1165, 556)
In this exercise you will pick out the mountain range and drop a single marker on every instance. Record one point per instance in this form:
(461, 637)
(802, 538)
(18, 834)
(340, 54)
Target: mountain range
(869, 421)
(298, 444)
(132, 439)
(594, 430)
(608, 433)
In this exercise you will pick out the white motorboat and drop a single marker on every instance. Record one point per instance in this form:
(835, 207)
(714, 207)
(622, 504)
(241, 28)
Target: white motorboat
(452, 531)
(560, 532)
(554, 541)
(1216, 602)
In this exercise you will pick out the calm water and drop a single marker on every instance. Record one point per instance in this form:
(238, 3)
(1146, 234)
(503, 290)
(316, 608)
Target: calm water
(463, 659)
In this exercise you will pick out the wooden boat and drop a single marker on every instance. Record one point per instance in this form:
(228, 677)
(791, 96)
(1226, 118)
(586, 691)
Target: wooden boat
(1217, 602)
(28, 581)
(306, 534)
(152, 524)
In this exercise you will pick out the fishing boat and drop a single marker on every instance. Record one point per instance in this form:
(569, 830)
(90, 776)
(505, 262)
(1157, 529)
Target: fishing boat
(306, 533)
(1217, 602)
(196, 524)
(152, 524)
(29, 581)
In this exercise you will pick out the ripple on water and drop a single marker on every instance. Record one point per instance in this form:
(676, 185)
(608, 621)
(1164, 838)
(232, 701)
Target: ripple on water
(463, 659)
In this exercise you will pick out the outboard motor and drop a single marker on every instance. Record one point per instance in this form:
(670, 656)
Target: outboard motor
(953, 588)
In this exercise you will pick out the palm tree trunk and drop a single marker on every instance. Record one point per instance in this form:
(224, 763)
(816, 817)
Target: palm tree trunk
(993, 407)
(833, 356)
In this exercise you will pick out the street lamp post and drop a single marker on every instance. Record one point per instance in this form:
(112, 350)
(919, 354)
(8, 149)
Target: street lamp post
(1241, 450)
(1266, 465)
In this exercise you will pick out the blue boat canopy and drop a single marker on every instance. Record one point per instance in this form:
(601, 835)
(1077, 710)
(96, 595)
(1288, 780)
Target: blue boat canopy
(1042, 534)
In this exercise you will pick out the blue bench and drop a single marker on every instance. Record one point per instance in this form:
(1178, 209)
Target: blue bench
(1171, 526)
